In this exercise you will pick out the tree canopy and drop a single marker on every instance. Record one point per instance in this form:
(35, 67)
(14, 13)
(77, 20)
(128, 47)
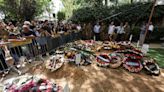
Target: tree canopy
(129, 12)
(22, 9)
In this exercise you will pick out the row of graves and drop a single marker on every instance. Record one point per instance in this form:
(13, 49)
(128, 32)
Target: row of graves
(85, 53)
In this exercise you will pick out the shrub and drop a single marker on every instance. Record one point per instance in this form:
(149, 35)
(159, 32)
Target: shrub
(134, 15)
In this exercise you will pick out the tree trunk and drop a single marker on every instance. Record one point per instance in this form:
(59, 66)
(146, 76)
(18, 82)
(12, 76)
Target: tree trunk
(131, 1)
(116, 2)
(106, 2)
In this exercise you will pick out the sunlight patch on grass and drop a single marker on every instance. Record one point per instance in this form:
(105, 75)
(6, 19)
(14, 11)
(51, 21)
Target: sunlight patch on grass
(158, 54)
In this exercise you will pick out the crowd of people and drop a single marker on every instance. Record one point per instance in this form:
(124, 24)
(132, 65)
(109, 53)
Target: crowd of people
(41, 31)
(101, 32)
(35, 28)
(113, 32)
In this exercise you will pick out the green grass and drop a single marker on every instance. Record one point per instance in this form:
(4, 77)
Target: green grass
(158, 54)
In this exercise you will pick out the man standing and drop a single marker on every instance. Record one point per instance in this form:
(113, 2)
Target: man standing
(150, 30)
(120, 32)
(88, 31)
(47, 27)
(127, 30)
(27, 32)
(103, 32)
(111, 30)
(97, 31)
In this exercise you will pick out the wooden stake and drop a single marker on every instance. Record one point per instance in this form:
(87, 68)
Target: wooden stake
(150, 17)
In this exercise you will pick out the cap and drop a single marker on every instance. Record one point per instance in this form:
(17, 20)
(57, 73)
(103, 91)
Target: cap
(27, 23)
(25, 26)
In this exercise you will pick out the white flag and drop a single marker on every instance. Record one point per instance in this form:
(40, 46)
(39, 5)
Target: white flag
(160, 2)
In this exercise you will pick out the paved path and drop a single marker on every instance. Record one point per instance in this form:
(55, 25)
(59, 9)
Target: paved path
(154, 45)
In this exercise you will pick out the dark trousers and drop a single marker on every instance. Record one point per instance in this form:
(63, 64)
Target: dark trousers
(148, 37)
(97, 36)
(119, 37)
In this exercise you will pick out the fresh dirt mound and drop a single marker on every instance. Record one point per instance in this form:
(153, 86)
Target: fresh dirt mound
(96, 79)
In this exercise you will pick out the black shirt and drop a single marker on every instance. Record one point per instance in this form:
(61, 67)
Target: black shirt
(28, 33)
(47, 28)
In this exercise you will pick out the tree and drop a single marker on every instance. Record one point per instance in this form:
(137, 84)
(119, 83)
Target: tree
(27, 9)
(61, 16)
(136, 13)
(70, 6)
(22, 9)
(106, 2)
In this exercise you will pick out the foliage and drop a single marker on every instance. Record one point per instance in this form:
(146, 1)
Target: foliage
(74, 5)
(70, 6)
(140, 12)
(22, 9)
(61, 16)
(158, 54)
(94, 3)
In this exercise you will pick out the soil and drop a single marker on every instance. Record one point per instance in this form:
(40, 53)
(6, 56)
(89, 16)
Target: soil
(97, 79)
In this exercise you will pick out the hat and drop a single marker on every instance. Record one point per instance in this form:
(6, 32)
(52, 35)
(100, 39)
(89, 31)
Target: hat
(25, 26)
(27, 23)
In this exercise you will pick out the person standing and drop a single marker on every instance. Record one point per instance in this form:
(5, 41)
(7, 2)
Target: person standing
(127, 30)
(97, 31)
(78, 27)
(27, 31)
(47, 27)
(84, 32)
(111, 31)
(103, 32)
(88, 31)
(120, 32)
(150, 30)
(142, 34)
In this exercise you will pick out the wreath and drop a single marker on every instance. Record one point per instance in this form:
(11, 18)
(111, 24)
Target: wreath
(132, 65)
(30, 84)
(116, 60)
(86, 60)
(103, 60)
(151, 67)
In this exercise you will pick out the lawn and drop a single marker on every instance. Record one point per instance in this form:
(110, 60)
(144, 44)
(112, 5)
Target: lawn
(158, 54)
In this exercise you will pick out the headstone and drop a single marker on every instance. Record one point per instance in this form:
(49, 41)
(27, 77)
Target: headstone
(130, 39)
(78, 59)
(145, 48)
(138, 42)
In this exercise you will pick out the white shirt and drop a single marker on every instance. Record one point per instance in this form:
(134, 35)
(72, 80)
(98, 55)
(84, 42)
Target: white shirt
(111, 29)
(37, 34)
(78, 28)
(120, 30)
(151, 28)
(96, 29)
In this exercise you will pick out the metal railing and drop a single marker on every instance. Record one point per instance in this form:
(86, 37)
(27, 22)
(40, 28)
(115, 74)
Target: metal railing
(31, 48)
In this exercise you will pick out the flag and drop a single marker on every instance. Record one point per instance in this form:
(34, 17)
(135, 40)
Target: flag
(160, 2)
